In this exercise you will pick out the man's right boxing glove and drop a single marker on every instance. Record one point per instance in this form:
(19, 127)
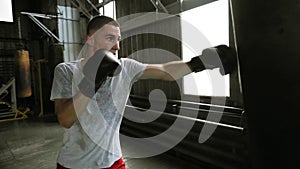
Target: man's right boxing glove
(96, 70)
(221, 56)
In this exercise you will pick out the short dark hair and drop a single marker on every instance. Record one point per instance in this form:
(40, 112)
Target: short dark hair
(98, 22)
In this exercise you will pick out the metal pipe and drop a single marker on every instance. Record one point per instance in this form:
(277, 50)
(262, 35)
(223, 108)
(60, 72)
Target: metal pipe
(93, 6)
(235, 45)
(189, 118)
(7, 85)
(81, 8)
(43, 27)
(162, 6)
(19, 27)
(13, 94)
(157, 4)
(154, 4)
(40, 86)
(48, 16)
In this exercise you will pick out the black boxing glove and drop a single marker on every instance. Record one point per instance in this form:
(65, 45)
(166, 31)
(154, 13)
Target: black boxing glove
(211, 57)
(101, 65)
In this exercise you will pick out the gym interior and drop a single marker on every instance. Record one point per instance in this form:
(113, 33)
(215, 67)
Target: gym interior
(248, 119)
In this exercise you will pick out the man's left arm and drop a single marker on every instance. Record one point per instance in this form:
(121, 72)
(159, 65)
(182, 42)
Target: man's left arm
(221, 56)
(169, 71)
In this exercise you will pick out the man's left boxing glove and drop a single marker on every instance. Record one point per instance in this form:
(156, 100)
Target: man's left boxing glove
(221, 56)
(96, 70)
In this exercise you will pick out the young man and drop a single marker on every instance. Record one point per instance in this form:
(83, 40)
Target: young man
(90, 95)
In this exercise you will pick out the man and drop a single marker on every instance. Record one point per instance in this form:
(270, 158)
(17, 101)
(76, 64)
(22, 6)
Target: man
(90, 95)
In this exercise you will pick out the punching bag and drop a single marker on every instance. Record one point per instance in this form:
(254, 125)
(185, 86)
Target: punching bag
(268, 37)
(23, 75)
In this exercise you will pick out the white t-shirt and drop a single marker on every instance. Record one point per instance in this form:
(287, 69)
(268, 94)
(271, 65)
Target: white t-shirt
(93, 140)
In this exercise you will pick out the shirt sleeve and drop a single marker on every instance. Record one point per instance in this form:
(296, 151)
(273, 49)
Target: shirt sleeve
(62, 83)
(134, 69)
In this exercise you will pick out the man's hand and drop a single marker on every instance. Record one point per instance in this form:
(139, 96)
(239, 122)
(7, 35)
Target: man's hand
(221, 56)
(96, 70)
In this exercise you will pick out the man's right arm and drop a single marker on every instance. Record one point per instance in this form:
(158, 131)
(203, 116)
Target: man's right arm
(68, 110)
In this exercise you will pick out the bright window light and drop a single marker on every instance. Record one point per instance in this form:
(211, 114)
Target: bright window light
(212, 20)
(6, 14)
(109, 9)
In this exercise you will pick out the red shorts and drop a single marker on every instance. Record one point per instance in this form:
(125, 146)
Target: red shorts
(117, 165)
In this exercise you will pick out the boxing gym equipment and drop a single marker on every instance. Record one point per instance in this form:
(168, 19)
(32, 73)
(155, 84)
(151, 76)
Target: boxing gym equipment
(18, 86)
(268, 40)
(9, 110)
(23, 76)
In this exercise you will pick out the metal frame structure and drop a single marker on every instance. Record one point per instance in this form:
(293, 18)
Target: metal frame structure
(13, 113)
(42, 26)
(158, 5)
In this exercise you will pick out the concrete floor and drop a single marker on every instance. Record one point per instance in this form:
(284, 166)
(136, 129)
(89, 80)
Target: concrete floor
(25, 144)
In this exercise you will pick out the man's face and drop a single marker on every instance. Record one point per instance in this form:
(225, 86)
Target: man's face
(107, 37)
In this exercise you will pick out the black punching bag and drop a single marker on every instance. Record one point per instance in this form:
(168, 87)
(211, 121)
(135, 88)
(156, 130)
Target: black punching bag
(268, 39)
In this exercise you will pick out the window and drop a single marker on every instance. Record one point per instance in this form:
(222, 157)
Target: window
(212, 22)
(108, 9)
(69, 32)
(6, 14)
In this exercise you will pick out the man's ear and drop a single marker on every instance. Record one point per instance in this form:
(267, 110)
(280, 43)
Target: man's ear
(90, 40)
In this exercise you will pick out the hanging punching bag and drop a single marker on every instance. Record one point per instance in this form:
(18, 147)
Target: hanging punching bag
(23, 76)
(268, 39)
